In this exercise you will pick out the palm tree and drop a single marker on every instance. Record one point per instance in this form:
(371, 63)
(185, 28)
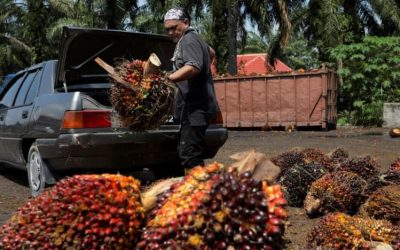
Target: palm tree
(149, 17)
(328, 23)
(254, 44)
(14, 53)
(264, 14)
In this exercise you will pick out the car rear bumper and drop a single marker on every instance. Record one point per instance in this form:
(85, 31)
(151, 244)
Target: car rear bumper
(120, 150)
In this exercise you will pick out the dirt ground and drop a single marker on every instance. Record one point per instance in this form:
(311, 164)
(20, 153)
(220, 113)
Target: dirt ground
(357, 141)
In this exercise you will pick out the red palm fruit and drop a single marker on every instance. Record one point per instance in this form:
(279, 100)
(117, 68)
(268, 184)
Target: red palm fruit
(341, 231)
(141, 102)
(80, 212)
(297, 180)
(395, 166)
(287, 160)
(367, 168)
(339, 155)
(215, 208)
(314, 155)
(384, 203)
(338, 191)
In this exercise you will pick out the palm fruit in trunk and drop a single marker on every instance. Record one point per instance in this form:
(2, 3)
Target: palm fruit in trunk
(338, 191)
(297, 180)
(141, 101)
(287, 160)
(214, 208)
(365, 167)
(341, 231)
(384, 203)
(317, 156)
(81, 212)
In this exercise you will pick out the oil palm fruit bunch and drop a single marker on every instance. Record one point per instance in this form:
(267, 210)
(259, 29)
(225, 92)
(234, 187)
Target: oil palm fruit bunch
(384, 203)
(141, 93)
(392, 175)
(339, 155)
(317, 156)
(395, 166)
(286, 160)
(338, 191)
(342, 231)
(367, 168)
(217, 208)
(297, 180)
(80, 212)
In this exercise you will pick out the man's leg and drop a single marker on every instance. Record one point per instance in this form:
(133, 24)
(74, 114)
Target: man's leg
(190, 147)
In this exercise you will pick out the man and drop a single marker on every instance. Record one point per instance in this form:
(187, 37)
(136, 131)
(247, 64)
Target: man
(195, 100)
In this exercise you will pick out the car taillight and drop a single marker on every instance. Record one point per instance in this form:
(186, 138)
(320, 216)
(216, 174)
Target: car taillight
(87, 119)
(217, 119)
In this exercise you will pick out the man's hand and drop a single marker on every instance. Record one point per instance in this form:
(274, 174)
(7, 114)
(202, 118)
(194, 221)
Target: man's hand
(184, 73)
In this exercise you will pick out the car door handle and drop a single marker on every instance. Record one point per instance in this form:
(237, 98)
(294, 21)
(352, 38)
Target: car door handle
(24, 114)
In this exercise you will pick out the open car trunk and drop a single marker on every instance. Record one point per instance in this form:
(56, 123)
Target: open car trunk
(77, 70)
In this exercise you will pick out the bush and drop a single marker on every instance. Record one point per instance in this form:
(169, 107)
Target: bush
(371, 76)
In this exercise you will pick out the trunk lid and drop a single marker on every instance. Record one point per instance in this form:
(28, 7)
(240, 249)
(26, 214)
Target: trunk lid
(80, 46)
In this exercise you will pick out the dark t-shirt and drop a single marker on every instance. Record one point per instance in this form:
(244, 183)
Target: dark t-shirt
(195, 100)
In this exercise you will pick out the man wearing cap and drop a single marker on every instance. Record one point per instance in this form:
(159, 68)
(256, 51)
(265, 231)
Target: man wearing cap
(195, 100)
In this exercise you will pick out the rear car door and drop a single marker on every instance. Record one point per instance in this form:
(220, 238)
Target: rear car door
(16, 121)
(6, 101)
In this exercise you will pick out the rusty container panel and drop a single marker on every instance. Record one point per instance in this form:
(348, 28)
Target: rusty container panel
(298, 99)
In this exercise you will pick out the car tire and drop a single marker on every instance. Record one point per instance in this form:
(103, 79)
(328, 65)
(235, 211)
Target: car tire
(36, 171)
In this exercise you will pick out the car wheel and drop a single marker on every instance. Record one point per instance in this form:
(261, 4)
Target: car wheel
(36, 171)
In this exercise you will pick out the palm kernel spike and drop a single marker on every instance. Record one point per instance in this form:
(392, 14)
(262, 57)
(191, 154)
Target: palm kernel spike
(81, 212)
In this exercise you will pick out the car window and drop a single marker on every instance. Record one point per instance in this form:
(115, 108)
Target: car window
(25, 87)
(33, 90)
(9, 96)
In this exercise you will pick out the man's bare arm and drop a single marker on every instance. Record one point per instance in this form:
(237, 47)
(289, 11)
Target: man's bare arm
(184, 73)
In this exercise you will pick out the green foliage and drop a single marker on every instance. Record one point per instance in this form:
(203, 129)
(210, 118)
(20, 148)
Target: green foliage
(219, 40)
(14, 53)
(253, 44)
(371, 76)
(299, 54)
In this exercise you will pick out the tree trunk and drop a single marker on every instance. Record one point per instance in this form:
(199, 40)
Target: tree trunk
(220, 36)
(233, 15)
(111, 14)
(36, 22)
